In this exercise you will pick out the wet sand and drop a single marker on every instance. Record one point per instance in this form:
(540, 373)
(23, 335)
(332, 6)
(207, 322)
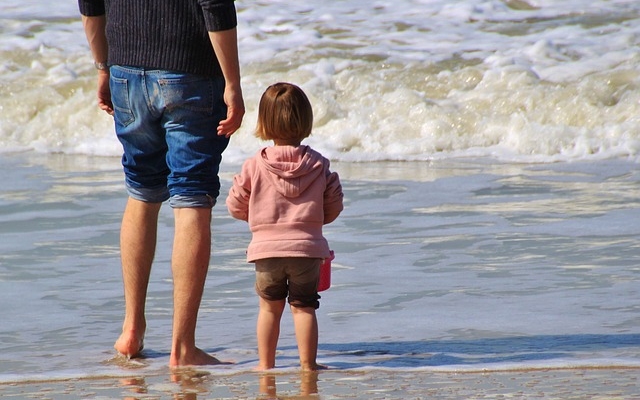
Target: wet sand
(565, 383)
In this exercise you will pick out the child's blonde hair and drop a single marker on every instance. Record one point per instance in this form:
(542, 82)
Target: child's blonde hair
(284, 113)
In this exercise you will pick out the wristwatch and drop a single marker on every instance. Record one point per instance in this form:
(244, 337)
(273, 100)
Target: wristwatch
(102, 66)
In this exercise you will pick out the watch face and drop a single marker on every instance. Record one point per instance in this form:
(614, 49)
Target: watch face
(101, 65)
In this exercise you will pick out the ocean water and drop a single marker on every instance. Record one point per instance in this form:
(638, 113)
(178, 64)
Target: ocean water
(489, 157)
(516, 80)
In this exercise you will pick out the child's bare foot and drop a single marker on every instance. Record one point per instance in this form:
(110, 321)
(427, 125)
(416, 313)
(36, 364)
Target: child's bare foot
(303, 368)
(194, 357)
(129, 344)
(261, 368)
(313, 367)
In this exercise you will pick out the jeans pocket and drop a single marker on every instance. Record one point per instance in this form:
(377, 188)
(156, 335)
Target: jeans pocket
(120, 98)
(191, 93)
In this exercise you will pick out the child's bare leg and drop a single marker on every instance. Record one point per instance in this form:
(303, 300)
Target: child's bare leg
(268, 331)
(306, 327)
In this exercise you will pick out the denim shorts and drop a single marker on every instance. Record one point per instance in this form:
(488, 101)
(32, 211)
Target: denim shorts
(166, 122)
(296, 277)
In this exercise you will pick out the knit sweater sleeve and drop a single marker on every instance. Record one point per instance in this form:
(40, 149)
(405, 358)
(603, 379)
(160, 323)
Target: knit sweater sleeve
(91, 8)
(219, 15)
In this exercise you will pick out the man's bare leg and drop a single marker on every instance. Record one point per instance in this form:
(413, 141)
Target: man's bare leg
(137, 247)
(190, 262)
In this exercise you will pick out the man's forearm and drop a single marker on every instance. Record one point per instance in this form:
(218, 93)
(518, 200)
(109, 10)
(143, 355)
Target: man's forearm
(94, 29)
(225, 44)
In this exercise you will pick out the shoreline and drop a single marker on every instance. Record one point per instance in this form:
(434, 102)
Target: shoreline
(212, 371)
(539, 382)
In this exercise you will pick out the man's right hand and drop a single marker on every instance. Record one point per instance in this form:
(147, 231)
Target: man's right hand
(235, 111)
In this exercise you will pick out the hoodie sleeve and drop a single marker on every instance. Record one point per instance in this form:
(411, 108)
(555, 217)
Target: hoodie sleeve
(238, 198)
(332, 197)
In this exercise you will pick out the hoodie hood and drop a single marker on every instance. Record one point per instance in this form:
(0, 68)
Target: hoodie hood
(291, 169)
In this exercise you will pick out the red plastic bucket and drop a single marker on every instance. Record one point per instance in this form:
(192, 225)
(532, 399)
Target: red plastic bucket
(324, 282)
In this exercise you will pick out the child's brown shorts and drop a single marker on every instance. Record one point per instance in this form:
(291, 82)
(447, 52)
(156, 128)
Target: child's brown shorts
(296, 277)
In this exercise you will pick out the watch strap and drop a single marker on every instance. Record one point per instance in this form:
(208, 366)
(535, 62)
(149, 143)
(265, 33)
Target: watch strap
(102, 66)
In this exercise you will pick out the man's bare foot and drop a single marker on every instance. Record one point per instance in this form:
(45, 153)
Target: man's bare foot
(129, 344)
(195, 357)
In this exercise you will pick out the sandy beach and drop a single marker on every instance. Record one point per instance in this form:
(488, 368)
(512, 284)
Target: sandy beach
(565, 383)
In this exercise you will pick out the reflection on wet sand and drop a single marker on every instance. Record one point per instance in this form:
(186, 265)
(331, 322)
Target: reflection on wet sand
(190, 384)
(308, 386)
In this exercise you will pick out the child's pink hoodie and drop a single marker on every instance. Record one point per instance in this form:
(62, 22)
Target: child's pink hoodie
(286, 194)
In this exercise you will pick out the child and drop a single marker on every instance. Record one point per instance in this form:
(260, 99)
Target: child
(286, 193)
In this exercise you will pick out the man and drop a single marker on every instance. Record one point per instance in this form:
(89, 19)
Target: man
(168, 72)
